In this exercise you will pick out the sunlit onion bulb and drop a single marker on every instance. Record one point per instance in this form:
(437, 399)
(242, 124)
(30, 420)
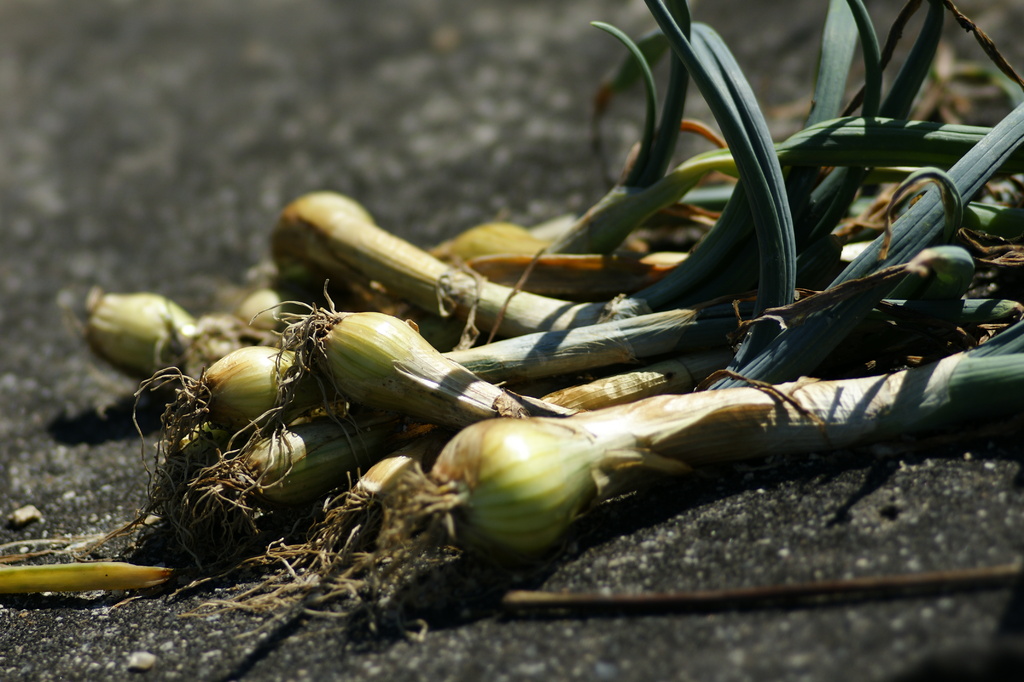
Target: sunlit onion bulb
(140, 333)
(244, 385)
(521, 483)
(380, 361)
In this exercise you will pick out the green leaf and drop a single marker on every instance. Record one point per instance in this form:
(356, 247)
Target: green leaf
(653, 45)
(799, 349)
(651, 98)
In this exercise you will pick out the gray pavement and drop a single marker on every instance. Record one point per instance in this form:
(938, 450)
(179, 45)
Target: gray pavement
(149, 146)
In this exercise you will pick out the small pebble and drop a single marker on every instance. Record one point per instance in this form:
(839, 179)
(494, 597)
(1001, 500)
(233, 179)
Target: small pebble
(19, 518)
(141, 661)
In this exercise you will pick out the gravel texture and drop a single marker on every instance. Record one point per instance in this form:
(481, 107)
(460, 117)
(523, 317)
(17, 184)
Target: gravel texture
(149, 146)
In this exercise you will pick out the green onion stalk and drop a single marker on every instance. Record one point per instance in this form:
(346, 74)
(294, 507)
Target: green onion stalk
(322, 233)
(512, 488)
(677, 375)
(381, 362)
(546, 354)
(81, 577)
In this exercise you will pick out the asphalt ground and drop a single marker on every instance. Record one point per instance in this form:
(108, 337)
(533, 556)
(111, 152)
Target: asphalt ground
(149, 146)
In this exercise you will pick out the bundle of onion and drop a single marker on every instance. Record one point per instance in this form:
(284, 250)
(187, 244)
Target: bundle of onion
(323, 233)
(341, 546)
(513, 487)
(244, 389)
(381, 362)
(213, 493)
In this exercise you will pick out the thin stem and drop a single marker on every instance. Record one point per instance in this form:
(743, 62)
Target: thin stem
(768, 596)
